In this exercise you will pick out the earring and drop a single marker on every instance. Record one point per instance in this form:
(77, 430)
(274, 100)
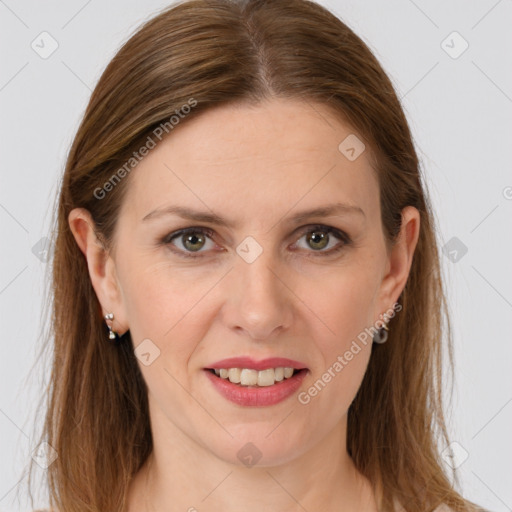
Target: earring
(112, 335)
(381, 335)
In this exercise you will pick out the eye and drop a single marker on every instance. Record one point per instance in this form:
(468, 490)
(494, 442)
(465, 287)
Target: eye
(189, 242)
(192, 240)
(320, 237)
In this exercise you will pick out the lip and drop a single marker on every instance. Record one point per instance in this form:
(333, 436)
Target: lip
(251, 396)
(252, 364)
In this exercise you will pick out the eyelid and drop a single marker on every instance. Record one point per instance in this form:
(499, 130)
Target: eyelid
(167, 240)
(338, 233)
(341, 235)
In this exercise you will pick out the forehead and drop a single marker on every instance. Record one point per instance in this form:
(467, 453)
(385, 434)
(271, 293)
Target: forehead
(251, 161)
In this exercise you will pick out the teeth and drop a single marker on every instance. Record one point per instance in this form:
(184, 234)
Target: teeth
(266, 377)
(234, 375)
(279, 374)
(249, 377)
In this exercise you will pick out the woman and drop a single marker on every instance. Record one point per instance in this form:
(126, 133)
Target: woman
(248, 304)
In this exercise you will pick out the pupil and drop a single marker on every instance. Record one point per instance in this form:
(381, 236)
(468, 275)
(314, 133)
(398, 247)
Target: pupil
(193, 239)
(317, 238)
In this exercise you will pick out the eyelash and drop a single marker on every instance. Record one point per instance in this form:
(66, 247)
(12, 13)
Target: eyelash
(345, 239)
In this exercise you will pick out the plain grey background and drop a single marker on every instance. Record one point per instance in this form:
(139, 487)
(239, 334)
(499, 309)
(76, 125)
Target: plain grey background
(451, 65)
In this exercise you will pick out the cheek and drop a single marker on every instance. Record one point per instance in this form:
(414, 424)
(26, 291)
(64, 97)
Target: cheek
(154, 294)
(165, 306)
(334, 385)
(338, 384)
(147, 299)
(343, 301)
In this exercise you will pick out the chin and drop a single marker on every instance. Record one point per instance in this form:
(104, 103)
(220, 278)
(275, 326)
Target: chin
(254, 448)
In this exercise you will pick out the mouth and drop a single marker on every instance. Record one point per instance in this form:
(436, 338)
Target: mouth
(249, 378)
(248, 387)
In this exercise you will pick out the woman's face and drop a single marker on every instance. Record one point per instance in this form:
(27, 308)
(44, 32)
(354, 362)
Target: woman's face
(267, 282)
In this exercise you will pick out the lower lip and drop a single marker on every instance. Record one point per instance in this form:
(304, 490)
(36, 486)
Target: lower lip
(257, 396)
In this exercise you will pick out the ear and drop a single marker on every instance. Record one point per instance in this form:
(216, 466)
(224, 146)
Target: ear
(400, 260)
(102, 270)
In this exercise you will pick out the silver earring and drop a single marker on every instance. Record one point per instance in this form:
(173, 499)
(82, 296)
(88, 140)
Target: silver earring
(112, 335)
(381, 335)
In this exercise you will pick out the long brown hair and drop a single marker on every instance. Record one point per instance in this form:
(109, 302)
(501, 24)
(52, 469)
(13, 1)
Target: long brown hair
(218, 52)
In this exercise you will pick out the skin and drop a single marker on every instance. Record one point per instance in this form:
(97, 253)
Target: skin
(256, 166)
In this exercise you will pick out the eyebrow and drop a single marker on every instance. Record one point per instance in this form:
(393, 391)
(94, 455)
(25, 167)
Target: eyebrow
(337, 209)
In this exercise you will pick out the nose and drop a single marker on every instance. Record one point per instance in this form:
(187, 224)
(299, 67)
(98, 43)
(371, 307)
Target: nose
(259, 300)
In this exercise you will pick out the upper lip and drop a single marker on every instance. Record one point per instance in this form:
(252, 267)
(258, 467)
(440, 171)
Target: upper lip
(249, 363)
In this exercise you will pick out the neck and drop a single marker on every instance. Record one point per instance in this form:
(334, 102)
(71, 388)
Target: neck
(181, 475)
